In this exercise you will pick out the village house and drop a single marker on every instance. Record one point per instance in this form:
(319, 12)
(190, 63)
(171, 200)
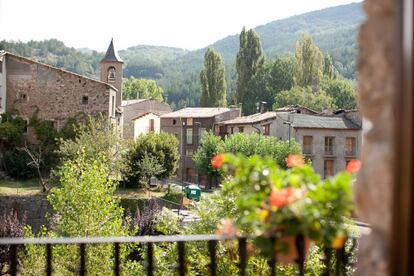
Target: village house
(188, 125)
(29, 87)
(328, 141)
(142, 116)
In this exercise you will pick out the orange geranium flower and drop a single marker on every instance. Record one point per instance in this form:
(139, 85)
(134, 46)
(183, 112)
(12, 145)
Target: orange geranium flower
(295, 160)
(353, 166)
(280, 198)
(338, 242)
(217, 161)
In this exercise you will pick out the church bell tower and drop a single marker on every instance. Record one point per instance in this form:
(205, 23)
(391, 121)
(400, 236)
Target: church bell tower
(111, 70)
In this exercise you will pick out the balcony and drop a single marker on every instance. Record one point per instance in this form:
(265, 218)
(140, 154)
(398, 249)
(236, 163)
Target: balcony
(336, 261)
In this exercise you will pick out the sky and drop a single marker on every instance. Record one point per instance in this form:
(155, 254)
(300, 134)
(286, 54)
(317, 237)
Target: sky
(188, 24)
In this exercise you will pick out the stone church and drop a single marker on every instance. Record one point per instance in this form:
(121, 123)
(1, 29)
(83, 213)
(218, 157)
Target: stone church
(28, 87)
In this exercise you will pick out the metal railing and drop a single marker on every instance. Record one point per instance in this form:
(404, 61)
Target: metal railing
(337, 267)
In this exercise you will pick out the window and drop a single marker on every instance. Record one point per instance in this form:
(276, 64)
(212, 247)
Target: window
(329, 145)
(189, 121)
(189, 136)
(174, 121)
(202, 132)
(23, 97)
(111, 74)
(350, 146)
(241, 129)
(307, 144)
(85, 99)
(151, 125)
(0, 97)
(328, 168)
(231, 130)
(189, 152)
(266, 129)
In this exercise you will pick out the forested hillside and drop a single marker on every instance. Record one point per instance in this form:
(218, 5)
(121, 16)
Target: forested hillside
(177, 71)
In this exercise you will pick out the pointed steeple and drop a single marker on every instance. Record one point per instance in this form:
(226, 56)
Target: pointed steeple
(111, 55)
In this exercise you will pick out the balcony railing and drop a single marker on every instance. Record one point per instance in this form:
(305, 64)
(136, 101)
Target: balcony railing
(333, 267)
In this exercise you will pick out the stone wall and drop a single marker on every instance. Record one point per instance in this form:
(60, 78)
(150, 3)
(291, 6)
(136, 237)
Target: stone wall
(377, 91)
(57, 94)
(34, 207)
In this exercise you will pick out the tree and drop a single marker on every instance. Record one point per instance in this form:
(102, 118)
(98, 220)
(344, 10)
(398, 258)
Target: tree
(276, 76)
(133, 88)
(246, 144)
(342, 92)
(162, 148)
(310, 63)
(93, 138)
(250, 59)
(213, 82)
(202, 157)
(36, 162)
(329, 70)
(149, 167)
(84, 206)
(304, 96)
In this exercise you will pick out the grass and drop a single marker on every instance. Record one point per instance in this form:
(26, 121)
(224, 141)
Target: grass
(137, 194)
(32, 187)
(20, 187)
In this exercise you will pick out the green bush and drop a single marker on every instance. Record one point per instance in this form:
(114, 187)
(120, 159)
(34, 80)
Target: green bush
(160, 148)
(16, 165)
(246, 144)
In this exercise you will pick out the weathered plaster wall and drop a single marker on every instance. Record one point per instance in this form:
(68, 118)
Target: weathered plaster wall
(318, 150)
(142, 124)
(134, 110)
(377, 88)
(56, 93)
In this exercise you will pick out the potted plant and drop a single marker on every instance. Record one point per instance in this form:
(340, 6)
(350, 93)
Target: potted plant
(292, 206)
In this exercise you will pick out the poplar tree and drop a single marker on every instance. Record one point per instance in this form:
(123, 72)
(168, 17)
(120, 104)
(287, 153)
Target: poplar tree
(250, 59)
(310, 63)
(213, 82)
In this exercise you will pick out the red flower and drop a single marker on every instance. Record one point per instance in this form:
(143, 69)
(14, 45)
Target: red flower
(294, 160)
(280, 198)
(217, 161)
(353, 166)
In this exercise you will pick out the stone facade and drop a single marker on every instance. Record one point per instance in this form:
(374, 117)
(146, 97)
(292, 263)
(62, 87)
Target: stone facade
(3, 84)
(54, 93)
(377, 91)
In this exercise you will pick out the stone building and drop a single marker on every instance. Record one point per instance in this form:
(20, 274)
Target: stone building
(136, 119)
(29, 87)
(188, 125)
(328, 141)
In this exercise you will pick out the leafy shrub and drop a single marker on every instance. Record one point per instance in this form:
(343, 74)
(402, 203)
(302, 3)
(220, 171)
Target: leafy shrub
(161, 148)
(16, 164)
(246, 144)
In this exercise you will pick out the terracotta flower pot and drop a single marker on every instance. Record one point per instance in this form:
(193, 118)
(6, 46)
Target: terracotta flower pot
(286, 249)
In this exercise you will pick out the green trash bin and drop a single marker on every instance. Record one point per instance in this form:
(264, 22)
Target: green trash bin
(193, 192)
